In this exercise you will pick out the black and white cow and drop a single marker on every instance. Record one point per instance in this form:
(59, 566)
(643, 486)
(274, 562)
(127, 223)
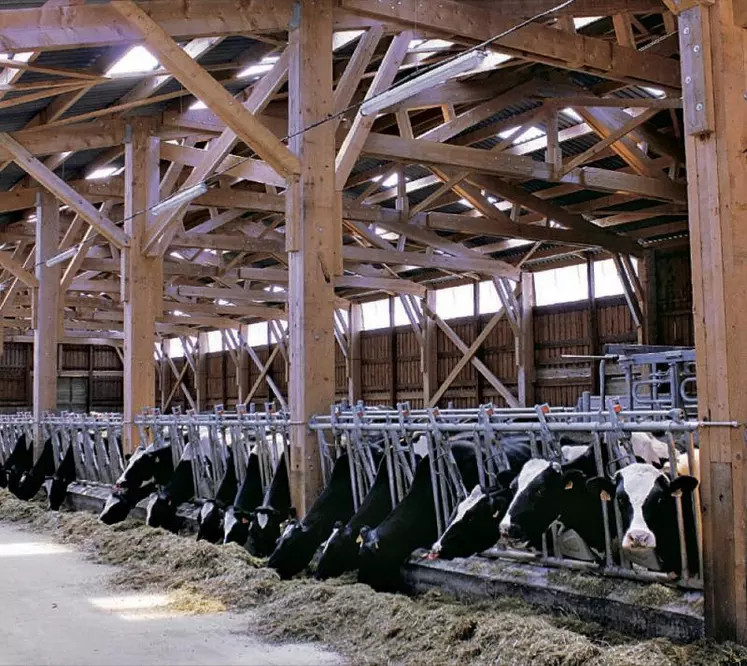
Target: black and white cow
(212, 512)
(20, 460)
(646, 499)
(340, 551)
(546, 491)
(64, 475)
(162, 505)
(301, 538)
(411, 525)
(274, 509)
(32, 479)
(146, 469)
(249, 496)
(474, 526)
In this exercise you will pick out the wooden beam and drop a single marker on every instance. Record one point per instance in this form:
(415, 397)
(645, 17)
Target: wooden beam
(529, 8)
(63, 191)
(717, 172)
(16, 269)
(101, 24)
(514, 166)
(193, 77)
(312, 241)
(167, 223)
(537, 42)
(442, 262)
(355, 386)
(356, 68)
(46, 314)
(350, 150)
(142, 280)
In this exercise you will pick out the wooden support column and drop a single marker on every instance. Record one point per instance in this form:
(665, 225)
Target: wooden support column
(392, 355)
(313, 241)
(142, 279)
(525, 342)
(714, 71)
(594, 349)
(355, 319)
(430, 351)
(201, 372)
(242, 373)
(46, 317)
(647, 277)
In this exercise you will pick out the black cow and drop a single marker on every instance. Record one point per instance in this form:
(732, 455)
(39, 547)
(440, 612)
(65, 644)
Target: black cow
(239, 515)
(146, 469)
(20, 460)
(412, 524)
(275, 509)
(340, 552)
(645, 497)
(64, 475)
(300, 539)
(210, 518)
(31, 480)
(474, 526)
(161, 509)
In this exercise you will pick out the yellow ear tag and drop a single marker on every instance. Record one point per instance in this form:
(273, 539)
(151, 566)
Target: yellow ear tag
(605, 496)
(677, 493)
(497, 513)
(359, 540)
(569, 485)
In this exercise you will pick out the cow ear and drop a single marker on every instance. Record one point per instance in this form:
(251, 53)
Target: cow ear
(573, 478)
(602, 486)
(683, 484)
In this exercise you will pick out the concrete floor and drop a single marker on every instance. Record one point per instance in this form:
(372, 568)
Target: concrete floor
(56, 608)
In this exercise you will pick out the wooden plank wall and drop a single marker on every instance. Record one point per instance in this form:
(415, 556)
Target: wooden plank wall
(559, 330)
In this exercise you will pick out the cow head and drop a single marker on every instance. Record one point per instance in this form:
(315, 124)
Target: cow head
(289, 550)
(56, 491)
(645, 498)
(264, 530)
(210, 521)
(537, 501)
(115, 510)
(236, 525)
(474, 526)
(339, 553)
(160, 510)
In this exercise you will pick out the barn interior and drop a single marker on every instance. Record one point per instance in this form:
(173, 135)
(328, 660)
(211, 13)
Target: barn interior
(309, 224)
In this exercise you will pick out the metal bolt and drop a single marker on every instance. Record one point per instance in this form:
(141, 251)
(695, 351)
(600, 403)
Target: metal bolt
(698, 107)
(686, 31)
(696, 48)
(688, 79)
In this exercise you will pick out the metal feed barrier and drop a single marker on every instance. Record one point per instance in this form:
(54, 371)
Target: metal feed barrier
(206, 438)
(488, 428)
(401, 434)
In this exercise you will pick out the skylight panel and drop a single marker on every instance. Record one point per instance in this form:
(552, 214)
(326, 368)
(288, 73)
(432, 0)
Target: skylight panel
(568, 112)
(104, 172)
(466, 203)
(137, 59)
(654, 92)
(262, 67)
(583, 21)
(344, 37)
(197, 105)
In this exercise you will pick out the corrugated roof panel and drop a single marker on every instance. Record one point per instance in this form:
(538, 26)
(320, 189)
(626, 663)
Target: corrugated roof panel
(228, 50)
(101, 97)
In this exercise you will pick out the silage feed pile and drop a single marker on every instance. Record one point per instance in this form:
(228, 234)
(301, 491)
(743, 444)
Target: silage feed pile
(365, 626)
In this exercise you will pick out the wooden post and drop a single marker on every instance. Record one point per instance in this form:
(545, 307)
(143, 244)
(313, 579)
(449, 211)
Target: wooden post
(714, 70)
(46, 328)
(593, 326)
(142, 280)
(242, 374)
(525, 347)
(392, 351)
(430, 351)
(201, 372)
(312, 239)
(354, 353)
(647, 278)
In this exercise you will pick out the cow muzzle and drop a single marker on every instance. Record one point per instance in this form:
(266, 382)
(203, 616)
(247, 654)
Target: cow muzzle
(639, 540)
